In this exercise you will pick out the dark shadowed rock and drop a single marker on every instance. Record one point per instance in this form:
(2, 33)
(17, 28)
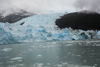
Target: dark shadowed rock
(22, 23)
(80, 20)
(14, 17)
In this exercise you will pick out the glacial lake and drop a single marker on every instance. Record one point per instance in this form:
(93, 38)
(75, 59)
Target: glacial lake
(51, 54)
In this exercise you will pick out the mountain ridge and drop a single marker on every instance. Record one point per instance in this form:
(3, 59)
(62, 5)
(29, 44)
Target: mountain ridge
(14, 16)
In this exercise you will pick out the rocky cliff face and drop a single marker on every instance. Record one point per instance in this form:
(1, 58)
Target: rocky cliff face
(84, 20)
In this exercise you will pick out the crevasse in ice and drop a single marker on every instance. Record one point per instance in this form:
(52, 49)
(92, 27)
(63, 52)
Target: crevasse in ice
(41, 28)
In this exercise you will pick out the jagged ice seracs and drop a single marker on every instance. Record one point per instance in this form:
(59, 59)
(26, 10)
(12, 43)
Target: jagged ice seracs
(39, 28)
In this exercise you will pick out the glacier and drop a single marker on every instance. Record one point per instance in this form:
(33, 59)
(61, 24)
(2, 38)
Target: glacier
(39, 28)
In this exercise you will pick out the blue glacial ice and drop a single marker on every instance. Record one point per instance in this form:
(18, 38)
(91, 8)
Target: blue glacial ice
(41, 28)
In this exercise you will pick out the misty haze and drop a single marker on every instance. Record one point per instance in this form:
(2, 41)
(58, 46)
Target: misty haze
(49, 33)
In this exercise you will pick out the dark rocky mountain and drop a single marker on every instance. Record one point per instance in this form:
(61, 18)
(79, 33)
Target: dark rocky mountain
(14, 17)
(80, 20)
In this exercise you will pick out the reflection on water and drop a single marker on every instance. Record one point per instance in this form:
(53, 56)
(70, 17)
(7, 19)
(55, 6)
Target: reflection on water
(51, 54)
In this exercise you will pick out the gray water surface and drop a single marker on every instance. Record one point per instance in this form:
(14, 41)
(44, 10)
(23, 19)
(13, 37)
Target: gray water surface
(51, 54)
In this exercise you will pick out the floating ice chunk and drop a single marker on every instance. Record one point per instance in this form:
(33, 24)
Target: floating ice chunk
(39, 55)
(17, 58)
(7, 49)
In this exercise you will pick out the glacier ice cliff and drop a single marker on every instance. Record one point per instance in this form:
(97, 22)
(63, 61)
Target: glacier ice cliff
(41, 28)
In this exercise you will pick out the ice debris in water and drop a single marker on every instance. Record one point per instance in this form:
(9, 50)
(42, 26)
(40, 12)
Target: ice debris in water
(6, 49)
(41, 28)
(16, 58)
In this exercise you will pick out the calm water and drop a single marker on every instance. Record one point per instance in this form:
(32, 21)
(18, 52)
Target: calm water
(51, 54)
